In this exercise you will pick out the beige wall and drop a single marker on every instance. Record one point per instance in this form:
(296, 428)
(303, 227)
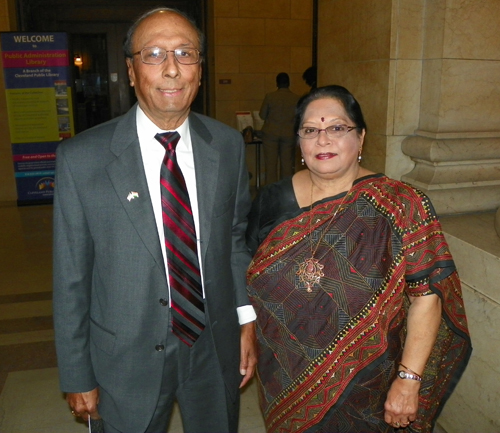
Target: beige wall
(457, 159)
(254, 41)
(374, 49)
(8, 192)
(473, 406)
(457, 153)
(462, 66)
(427, 75)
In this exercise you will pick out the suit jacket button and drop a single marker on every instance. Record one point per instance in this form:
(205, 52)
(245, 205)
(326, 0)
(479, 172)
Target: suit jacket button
(159, 347)
(163, 302)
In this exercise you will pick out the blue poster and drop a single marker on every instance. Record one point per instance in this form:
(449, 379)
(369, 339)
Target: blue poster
(39, 106)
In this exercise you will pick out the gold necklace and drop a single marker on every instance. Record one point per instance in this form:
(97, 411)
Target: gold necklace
(311, 270)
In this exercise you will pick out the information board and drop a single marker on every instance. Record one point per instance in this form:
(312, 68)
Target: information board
(39, 106)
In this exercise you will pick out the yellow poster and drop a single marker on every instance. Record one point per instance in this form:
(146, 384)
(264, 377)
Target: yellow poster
(32, 115)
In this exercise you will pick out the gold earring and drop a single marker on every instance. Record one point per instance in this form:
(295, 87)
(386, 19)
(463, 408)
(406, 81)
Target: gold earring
(359, 156)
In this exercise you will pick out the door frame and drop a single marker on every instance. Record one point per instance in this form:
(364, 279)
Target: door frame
(119, 92)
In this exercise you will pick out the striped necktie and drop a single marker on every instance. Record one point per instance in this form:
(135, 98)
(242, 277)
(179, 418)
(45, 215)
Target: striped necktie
(188, 309)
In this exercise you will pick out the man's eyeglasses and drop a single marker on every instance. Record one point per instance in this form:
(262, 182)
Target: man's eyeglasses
(333, 131)
(156, 55)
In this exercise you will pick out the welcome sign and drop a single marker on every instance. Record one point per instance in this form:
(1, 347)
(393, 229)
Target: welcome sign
(39, 105)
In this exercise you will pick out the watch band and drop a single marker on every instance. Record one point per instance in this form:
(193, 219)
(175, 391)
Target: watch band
(405, 375)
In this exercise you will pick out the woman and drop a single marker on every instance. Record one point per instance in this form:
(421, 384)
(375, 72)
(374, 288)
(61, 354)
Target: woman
(360, 317)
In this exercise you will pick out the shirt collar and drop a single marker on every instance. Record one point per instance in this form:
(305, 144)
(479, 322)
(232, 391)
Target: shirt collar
(146, 129)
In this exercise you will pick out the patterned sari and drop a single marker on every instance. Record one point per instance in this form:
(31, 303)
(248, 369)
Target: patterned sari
(328, 355)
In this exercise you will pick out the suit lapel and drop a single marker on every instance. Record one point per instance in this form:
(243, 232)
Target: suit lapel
(127, 175)
(206, 162)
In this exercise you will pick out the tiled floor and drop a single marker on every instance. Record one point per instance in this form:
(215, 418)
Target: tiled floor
(30, 400)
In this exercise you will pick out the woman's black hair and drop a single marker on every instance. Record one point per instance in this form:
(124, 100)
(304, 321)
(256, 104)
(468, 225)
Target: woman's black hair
(339, 93)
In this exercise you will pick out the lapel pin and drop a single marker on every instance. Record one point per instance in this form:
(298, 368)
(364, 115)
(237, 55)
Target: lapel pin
(132, 195)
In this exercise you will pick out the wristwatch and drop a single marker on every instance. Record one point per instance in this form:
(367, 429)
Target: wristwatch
(404, 375)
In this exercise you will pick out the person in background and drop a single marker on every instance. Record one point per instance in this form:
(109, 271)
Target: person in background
(310, 77)
(277, 111)
(150, 302)
(360, 318)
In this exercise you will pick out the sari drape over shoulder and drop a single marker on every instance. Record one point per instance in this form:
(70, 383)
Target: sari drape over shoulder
(328, 356)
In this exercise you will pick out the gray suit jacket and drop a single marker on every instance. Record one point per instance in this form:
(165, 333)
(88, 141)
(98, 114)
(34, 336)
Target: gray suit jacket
(109, 272)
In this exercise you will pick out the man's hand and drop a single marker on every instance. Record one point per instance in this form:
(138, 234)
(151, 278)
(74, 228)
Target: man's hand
(248, 356)
(84, 404)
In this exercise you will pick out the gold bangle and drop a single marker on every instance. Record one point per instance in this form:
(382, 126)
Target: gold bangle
(410, 370)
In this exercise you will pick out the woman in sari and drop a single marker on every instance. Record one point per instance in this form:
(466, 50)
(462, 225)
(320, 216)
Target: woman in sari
(360, 318)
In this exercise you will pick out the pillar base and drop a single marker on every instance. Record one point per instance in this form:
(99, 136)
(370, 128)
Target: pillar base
(460, 175)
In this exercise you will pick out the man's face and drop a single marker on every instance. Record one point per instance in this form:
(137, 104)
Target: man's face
(166, 91)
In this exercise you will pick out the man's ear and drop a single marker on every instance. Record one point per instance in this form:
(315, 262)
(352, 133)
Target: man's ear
(130, 71)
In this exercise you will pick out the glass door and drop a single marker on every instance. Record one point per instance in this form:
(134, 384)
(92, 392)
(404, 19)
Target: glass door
(100, 81)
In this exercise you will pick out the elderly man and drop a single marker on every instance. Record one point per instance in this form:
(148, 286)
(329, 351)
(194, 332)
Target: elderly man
(150, 302)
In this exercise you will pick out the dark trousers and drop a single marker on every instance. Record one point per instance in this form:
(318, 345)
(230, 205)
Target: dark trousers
(280, 149)
(192, 377)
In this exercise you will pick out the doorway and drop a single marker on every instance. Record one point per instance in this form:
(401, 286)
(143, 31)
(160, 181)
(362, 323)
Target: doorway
(96, 33)
(100, 83)
(90, 80)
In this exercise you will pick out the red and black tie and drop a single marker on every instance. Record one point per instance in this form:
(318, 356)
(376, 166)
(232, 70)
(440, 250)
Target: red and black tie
(188, 309)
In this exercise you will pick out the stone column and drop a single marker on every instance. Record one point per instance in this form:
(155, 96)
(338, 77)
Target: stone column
(456, 148)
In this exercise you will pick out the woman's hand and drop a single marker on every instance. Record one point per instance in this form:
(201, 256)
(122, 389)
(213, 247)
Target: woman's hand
(424, 317)
(401, 404)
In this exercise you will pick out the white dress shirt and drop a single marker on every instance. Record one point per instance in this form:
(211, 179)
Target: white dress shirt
(152, 156)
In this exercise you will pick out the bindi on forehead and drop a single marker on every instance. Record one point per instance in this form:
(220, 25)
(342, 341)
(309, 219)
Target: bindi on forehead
(322, 119)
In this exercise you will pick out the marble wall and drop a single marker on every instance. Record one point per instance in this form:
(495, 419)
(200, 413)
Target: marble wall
(459, 110)
(473, 406)
(460, 88)
(254, 41)
(428, 70)
(374, 49)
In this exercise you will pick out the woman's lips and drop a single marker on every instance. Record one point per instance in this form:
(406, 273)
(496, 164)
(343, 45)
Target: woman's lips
(327, 155)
